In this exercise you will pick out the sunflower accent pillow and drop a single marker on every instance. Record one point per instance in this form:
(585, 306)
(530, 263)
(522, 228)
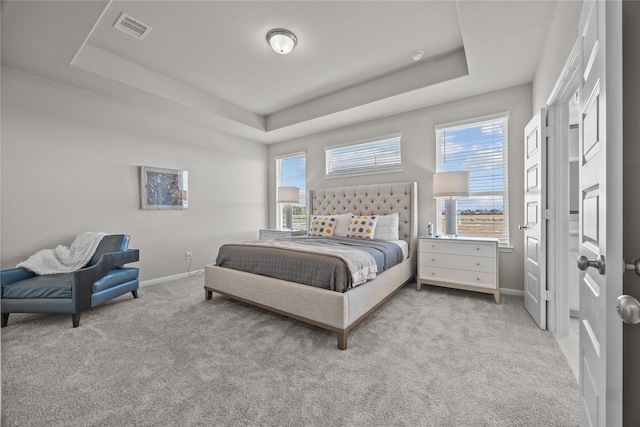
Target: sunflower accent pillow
(362, 226)
(322, 226)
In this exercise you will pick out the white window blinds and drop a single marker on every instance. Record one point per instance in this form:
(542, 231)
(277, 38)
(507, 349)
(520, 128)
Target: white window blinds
(480, 147)
(379, 155)
(291, 171)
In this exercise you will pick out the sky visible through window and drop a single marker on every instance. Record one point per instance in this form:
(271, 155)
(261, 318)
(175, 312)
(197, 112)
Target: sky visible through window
(477, 148)
(294, 175)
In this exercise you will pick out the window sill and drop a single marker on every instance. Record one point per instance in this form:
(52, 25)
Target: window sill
(507, 249)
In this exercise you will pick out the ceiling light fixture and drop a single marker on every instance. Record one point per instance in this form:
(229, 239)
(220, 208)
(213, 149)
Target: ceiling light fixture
(417, 55)
(282, 41)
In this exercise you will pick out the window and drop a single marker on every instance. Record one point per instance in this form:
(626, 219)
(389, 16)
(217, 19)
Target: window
(480, 147)
(379, 155)
(291, 172)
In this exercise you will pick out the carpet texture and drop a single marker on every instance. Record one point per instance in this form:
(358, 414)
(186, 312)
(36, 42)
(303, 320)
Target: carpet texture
(437, 357)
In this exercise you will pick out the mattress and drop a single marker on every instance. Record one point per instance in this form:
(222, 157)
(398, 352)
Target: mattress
(319, 268)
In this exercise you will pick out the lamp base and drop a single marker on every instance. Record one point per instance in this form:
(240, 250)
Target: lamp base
(451, 216)
(288, 222)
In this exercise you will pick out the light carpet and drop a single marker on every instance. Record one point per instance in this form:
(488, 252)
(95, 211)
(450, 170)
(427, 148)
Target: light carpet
(437, 357)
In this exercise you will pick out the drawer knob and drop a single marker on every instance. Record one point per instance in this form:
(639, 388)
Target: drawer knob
(477, 249)
(478, 278)
(433, 260)
(477, 263)
(433, 274)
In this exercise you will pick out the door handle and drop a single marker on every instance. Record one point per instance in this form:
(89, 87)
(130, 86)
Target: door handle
(523, 227)
(584, 263)
(633, 266)
(628, 309)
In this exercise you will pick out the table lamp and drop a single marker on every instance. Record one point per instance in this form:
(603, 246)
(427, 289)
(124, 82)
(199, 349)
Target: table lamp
(288, 196)
(451, 184)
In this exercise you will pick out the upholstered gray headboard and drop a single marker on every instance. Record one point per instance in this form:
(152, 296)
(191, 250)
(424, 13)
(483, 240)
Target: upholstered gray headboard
(373, 199)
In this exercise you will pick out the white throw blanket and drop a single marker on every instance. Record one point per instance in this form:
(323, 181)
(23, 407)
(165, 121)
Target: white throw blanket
(362, 266)
(64, 259)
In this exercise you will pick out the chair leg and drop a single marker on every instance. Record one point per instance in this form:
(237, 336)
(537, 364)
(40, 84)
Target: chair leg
(5, 319)
(75, 318)
(135, 293)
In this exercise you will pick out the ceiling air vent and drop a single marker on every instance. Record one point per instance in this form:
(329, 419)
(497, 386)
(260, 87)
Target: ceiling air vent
(132, 26)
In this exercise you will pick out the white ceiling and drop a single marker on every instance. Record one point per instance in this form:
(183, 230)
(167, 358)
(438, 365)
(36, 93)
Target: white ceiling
(209, 61)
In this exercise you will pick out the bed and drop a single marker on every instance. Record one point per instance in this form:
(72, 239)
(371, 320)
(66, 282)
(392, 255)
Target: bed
(330, 309)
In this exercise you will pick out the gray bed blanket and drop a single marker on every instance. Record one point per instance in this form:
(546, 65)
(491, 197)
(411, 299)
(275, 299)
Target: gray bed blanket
(323, 271)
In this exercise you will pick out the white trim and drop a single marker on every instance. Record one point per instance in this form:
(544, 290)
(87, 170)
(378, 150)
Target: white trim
(390, 169)
(558, 118)
(514, 292)
(472, 120)
(504, 291)
(365, 141)
(95, 25)
(173, 277)
(286, 156)
(502, 118)
(568, 73)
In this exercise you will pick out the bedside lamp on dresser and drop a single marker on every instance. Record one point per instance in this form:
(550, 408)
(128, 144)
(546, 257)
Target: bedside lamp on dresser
(288, 196)
(451, 184)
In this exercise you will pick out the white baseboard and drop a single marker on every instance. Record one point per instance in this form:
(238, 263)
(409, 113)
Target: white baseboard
(515, 292)
(505, 291)
(168, 278)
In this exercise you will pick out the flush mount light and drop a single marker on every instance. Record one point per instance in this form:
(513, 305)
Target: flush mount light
(417, 55)
(282, 41)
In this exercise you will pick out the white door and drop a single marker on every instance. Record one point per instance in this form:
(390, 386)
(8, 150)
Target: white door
(534, 228)
(601, 214)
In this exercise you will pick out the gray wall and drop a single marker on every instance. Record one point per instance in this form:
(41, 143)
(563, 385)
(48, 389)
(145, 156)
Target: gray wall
(631, 209)
(418, 156)
(561, 36)
(70, 163)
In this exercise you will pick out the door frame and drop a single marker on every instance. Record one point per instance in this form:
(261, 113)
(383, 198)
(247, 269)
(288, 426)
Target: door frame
(558, 121)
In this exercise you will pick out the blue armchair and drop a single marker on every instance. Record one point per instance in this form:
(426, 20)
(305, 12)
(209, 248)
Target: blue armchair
(103, 278)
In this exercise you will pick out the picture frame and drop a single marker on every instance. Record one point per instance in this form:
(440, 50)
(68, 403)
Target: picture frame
(163, 189)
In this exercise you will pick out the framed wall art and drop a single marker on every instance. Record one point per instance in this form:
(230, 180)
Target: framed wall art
(163, 188)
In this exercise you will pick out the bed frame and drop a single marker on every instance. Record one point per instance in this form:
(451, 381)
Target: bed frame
(335, 311)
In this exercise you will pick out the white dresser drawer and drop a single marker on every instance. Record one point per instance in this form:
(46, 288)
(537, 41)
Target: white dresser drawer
(458, 262)
(460, 277)
(467, 263)
(458, 248)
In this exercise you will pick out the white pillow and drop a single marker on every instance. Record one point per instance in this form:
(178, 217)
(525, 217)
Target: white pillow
(362, 226)
(342, 224)
(387, 227)
(322, 225)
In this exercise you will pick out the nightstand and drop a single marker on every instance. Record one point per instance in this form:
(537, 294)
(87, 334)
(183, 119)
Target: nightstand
(467, 263)
(278, 234)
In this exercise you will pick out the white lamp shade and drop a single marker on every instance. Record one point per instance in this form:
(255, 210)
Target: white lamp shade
(451, 184)
(288, 195)
(282, 41)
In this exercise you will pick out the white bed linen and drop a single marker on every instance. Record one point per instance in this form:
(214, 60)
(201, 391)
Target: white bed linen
(403, 245)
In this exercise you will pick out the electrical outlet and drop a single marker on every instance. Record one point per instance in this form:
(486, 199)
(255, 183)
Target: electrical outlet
(188, 255)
